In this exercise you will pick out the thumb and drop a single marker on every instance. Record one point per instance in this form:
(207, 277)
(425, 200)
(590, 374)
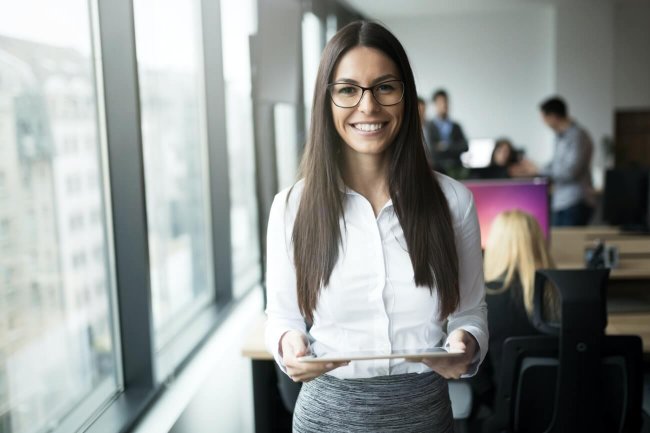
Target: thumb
(456, 341)
(457, 346)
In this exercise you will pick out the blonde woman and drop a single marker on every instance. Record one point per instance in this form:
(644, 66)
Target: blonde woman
(515, 249)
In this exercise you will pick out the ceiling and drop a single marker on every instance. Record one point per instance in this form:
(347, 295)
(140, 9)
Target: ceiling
(385, 9)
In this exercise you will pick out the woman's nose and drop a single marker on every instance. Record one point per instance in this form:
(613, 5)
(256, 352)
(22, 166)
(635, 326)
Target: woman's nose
(368, 103)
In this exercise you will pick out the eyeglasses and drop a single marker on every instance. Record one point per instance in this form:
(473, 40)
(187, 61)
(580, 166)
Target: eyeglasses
(347, 95)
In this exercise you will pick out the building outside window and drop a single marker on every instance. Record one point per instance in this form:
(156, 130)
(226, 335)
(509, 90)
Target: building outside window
(171, 84)
(58, 350)
(238, 22)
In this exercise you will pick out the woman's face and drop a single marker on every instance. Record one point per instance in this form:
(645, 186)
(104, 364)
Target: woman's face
(369, 128)
(502, 154)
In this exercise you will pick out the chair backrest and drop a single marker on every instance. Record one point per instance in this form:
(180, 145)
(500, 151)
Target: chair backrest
(576, 378)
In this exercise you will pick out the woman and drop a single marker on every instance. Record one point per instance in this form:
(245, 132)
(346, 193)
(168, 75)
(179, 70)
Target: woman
(503, 154)
(374, 251)
(515, 249)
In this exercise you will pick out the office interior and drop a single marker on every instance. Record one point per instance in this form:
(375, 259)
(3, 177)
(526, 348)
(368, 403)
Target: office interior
(142, 143)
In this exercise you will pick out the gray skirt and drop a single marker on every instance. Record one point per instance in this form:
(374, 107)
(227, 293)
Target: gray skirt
(405, 403)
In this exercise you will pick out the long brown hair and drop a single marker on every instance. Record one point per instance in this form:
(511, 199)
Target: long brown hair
(418, 200)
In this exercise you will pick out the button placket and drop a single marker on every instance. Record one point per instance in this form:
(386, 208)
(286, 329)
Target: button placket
(381, 287)
(375, 296)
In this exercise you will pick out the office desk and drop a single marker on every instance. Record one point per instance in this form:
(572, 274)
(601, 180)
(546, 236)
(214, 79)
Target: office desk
(568, 245)
(270, 414)
(628, 291)
(631, 324)
(253, 347)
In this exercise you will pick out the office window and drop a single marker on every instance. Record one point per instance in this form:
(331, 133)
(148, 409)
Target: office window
(312, 46)
(170, 72)
(286, 144)
(331, 26)
(238, 22)
(76, 222)
(73, 183)
(57, 355)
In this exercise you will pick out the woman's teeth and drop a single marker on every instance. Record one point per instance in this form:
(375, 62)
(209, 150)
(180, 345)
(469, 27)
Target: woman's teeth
(368, 127)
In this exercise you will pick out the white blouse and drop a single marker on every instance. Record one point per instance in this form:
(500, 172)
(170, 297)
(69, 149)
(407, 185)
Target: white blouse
(371, 301)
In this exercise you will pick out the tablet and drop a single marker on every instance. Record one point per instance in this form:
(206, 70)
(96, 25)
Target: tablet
(436, 352)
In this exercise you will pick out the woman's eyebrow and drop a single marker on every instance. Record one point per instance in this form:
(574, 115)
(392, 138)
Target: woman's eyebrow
(376, 80)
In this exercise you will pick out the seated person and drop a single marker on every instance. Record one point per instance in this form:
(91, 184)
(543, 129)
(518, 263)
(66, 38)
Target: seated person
(504, 162)
(515, 249)
(509, 161)
(503, 153)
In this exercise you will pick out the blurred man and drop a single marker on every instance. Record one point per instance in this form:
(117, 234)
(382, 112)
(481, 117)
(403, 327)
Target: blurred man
(570, 169)
(444, 137)
(572, 201)
(422, 109)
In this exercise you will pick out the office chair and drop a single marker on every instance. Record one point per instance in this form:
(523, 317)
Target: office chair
(575, 378)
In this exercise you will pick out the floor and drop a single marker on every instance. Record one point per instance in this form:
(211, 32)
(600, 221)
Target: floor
(204, 398)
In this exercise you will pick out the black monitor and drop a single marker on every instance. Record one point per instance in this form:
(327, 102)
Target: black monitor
(625, 200)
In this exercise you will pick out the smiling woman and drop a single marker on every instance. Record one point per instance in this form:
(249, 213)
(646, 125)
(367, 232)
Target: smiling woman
(370, 123)
(374, 250)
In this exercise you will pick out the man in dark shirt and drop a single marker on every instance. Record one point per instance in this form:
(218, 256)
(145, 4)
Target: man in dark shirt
(444, 137)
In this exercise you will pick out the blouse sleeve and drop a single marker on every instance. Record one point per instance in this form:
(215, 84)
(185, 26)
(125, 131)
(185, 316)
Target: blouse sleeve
(471, 314)
(282, 309)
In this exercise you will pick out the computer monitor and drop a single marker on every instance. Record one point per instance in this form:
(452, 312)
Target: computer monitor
(626, 198)
(479, 153)
(492, 197)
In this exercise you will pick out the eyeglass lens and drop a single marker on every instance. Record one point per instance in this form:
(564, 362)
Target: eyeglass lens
(348, 95)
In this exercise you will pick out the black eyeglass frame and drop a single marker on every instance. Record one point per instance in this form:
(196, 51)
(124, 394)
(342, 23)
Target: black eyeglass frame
(363, 92)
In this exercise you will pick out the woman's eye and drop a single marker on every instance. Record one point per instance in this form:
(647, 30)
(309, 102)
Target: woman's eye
(385, 88)
(349, 90)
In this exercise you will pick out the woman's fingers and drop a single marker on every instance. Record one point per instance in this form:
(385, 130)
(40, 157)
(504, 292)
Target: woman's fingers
(302, 371)
(449, 368)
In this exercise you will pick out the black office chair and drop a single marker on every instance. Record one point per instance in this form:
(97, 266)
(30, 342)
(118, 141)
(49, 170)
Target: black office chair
(575, 379)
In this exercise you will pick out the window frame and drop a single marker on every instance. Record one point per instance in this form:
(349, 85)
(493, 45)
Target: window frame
(143, 371)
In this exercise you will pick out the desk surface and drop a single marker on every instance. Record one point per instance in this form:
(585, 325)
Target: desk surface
(620, 273)
(618, 324)
(568, 245)
(631, 324)
(254, 347)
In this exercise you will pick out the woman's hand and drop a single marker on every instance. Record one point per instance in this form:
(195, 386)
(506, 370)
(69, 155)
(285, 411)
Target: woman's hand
(452, 368)
(294, 345)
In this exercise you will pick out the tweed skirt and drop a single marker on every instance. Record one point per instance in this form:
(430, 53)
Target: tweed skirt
(405, 403)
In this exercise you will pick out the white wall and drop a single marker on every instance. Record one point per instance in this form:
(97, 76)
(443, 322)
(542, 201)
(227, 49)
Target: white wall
(497, 65)
(632, 55)
(584, 68)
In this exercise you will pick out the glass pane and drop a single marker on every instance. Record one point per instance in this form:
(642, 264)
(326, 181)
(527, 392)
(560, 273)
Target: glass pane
(169, 48)
(238, 23)
(331, 26)
(312, 46)
(286, 144)
(57, 345)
